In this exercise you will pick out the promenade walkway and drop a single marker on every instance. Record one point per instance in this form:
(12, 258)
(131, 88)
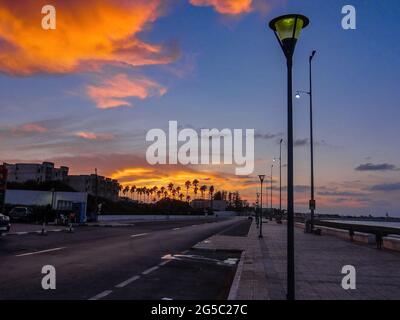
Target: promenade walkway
(319, 261)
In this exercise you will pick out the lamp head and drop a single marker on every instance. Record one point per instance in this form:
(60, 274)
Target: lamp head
(298, 96)
(287, 29)
(261, 177)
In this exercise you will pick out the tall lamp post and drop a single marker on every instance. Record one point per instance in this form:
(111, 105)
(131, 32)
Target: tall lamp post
(287, 30)
(272, 178)
(310, 93)
(257, 208)
(280, 177)
(261, 177)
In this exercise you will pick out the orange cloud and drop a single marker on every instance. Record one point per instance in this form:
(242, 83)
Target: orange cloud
(89, 34)
(113, 92)
(94, 136)
(230, 7)
(31, 128)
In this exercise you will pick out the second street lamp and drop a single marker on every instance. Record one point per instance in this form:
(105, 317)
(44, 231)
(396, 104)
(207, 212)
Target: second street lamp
(272, 167)
(287, 30)
(310, 93)
(261, 177)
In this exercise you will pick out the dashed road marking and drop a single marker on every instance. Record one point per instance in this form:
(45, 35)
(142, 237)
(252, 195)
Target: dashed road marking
(138, 235)
(101, 295)
(126, 282)
(150, 270)
(38, 252)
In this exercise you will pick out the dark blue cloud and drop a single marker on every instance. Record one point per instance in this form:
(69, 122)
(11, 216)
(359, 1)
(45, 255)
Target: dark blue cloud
(376, 167)
(386, 187)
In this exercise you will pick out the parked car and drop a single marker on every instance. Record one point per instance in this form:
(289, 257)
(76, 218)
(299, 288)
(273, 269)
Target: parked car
(24, 214)
(4, 224)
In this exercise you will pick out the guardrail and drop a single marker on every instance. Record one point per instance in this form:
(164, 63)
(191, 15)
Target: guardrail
(382, 237)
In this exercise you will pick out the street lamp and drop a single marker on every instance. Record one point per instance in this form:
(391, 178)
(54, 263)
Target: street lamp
(280, 177)
(287, 30)
(261, 177)
(310, 94)
(272, 166)
(257, 207)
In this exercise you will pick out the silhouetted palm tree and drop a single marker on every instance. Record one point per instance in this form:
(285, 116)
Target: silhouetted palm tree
(126, 190)
(203, 190)
(195, 184)
(170, 187)
(211, 192)
(187, 185)
(133, 189)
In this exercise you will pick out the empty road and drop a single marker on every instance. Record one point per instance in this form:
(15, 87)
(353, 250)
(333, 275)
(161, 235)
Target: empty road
(145, 261)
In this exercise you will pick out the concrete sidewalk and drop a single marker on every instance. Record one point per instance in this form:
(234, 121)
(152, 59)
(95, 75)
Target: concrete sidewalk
(261, 274)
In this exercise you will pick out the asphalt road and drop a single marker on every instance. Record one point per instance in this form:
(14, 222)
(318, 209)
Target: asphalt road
(144, 261)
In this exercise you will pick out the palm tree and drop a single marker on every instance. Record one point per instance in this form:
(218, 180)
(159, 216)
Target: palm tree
(126, 190)
(181, 195)
(211, 192)
(173, 193)
(133, 189)
(170, 187)
(187, 198)
(195, 184)
(119, 189)
(187, 185)
(203, 190)
(159, 193)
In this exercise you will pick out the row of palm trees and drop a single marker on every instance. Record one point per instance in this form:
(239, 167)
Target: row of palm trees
(152, 194)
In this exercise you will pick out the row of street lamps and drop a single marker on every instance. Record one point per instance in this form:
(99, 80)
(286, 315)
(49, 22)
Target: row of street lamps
(287, 30)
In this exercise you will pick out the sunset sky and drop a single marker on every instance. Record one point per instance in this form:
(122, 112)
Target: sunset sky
(85, 95)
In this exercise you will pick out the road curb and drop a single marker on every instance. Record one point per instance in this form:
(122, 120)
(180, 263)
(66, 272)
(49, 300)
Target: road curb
(236, 280)
(23, 233)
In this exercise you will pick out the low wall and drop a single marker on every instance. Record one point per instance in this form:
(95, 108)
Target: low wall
(343, 234)
(391, 243)
(107, 218)
(366, 238)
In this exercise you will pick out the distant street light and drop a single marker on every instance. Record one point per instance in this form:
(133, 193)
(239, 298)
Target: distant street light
(287, 30)
(310, 93)
(261, 177)
(272, 177)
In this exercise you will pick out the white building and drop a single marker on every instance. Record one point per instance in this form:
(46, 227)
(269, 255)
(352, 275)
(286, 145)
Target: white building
(24, 172)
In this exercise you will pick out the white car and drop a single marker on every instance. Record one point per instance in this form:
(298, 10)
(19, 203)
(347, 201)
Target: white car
(5, 224)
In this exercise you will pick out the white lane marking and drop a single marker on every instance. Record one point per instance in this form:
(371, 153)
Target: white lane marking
(150, 270)
(138, 235)
(176, 229)
(38, 252)
(164, 263)
(167, 299)
(101, 295)
(21, 233)
(126, 282)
